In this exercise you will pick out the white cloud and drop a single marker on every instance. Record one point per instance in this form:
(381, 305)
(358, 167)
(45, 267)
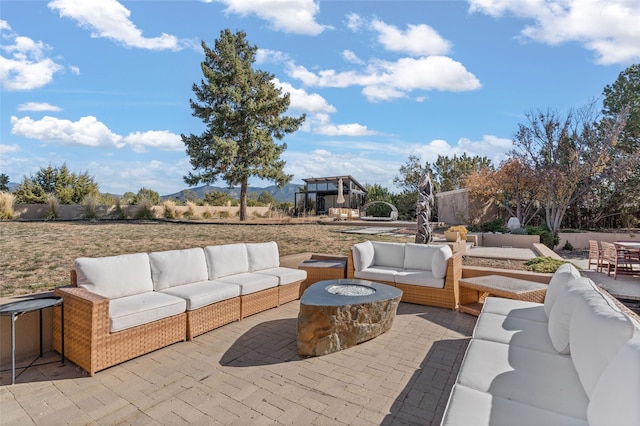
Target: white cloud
(384, 81)
(417, 40)
(311, 103)
(75, 70)
(110, 19)
(25, 67)
(268, 55)
(289, 16)
(5, 149)
(350, 56)
(90, 132)
(38, 106)
(162, 139)
(610, 29)
(353, 129)
(354, 22)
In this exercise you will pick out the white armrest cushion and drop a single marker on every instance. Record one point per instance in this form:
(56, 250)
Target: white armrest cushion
(263, 256)
(562, 310)
(388, 254)
(177, 267)
(362, 255)
(598, 331)
(615, 399)
(226, 259)
(439, 261)
(559, 280)
(115, 276)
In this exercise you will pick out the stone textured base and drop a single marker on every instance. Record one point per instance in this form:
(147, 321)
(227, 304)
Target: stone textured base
(326, 329)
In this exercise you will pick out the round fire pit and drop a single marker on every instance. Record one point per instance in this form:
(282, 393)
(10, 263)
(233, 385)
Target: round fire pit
(339, 314)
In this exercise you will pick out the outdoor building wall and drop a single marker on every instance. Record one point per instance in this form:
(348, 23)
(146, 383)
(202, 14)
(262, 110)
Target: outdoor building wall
(509, 240)
(74, 211)
(580, 240)
(458, 208)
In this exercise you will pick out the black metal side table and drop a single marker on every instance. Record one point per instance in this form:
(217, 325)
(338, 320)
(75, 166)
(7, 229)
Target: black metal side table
(15, 309)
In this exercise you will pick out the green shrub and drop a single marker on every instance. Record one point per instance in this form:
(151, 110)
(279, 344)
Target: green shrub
(544, 264)
(495, 225)
(118, 212)
(145, 209)
(567, 246)
(546, 237)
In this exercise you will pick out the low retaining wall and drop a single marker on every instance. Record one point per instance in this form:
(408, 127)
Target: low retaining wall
(580, 240)
(75, 212)
(509, 240)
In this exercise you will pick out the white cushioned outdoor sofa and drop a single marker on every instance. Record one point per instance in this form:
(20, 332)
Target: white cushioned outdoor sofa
(574, 360)
(120, 307)
(427, 274)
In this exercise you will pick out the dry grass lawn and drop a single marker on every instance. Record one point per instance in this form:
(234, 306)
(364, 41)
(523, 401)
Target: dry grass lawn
(37, 256)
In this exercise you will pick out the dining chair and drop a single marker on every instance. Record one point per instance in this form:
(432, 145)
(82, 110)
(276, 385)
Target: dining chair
(616, 258)
(595, 255)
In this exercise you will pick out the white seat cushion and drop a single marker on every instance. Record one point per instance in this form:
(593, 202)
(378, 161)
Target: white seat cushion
(439, 261)
(419, 277)
(557, 284)
(615, 399)
(380, 273)
(388, 254)
(471, 407)
(177, 267)
(540, 379)
(285, 275)
(514, 331)
(138, 309)
(362, 255)
(598, 331)
(515, 308)
(251, 282)
(226, 259)
(204, 293)
(115, 276)
(263, 256)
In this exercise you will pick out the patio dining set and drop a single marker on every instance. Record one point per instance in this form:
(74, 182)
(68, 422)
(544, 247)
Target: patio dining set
(617, 257)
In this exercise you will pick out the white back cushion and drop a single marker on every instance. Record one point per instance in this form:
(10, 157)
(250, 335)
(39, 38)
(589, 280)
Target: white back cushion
(616, 397)
(226, 259)
(115, 276)
(598, 331)
(177, 267)
(562, 310)
(362, 255)
(418, 256)
(439, 261)
(263, 256)
(559, 280)
(388, 254)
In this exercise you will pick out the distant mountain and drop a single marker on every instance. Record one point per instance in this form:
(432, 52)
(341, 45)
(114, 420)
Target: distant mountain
(286, 193)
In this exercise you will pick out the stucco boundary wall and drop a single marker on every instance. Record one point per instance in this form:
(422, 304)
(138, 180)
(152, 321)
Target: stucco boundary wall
(75, 212)
(580, 240)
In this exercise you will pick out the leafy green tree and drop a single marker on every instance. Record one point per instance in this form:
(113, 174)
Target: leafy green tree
(410, 174)
(266, 198)
(149, 195)
(243, 113)
(65, 186)
(128, 198)
(4, 182)
(217, 198)
(449, 173)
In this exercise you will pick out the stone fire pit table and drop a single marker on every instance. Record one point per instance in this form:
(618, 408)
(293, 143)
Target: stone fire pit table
(339, 314)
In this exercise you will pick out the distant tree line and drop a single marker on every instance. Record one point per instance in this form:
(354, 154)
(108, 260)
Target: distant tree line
(579, 169)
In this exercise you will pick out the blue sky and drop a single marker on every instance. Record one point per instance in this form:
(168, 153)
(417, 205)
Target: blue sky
(105, 86)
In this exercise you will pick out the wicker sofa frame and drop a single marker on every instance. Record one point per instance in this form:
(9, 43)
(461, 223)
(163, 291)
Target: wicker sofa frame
(450, 296)
(91, 345)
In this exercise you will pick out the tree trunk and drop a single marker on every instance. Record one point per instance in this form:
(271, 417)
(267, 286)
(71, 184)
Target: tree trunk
(243, 201)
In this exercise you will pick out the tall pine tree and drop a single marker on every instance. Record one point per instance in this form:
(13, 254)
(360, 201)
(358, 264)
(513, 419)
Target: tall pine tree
(243, 113)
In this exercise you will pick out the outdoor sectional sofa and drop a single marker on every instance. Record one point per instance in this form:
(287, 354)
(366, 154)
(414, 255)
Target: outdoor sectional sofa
(120, 307)
(574, 360)
(427, 274)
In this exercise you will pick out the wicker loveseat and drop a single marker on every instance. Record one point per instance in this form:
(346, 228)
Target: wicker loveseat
(120, 307)
(574, 360)
(427, 274)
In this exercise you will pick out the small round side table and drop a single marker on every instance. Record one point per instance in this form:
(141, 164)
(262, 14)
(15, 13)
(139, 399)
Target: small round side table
(15, 309)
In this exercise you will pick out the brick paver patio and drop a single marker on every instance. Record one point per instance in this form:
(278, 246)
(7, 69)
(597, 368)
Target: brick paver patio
(249, 373)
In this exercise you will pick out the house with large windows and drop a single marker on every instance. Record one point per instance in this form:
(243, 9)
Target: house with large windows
(321, 194)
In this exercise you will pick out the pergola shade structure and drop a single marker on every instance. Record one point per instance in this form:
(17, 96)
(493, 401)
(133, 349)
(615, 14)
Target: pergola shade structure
(321, 194)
